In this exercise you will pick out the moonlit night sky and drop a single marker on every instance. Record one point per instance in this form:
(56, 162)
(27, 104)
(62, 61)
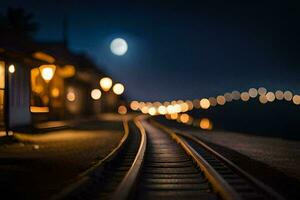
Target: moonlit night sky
(181, 50)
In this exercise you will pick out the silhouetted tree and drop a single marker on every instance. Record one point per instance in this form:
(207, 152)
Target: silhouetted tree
(18, 23)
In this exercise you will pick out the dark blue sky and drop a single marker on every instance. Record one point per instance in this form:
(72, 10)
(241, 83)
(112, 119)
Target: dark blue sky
(181, 50)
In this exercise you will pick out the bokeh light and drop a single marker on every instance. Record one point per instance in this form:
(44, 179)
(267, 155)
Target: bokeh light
(96, 94)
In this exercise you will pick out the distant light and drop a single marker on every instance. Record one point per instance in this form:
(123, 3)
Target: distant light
(122, 110)
(106, 83)
(196, 103)
(190, 104)
(221, 100)
(38, 109)
(162, 110)
(270, 96)
(152, 111)
(47, 72)
(134, 105)
(205, 124)
(43, 56)
(212, 101)
(170, 109)
(263, 99)
(71, 96)
(177, 108)
(144, 109)
(262, 91)
(11, 69)
(204, 103)
(55, 92)
(184, 118)
(118, 46)
(288, 95)
(279, 95)
(174, 116)
(67, 71)
(228, 97)
(118, 89)
(184, 107)
(236, 95)
(253, 92)
(296, 99)
(96, 94)
(245, 96)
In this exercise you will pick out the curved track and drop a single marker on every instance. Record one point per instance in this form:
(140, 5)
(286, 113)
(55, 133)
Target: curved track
(153, 162)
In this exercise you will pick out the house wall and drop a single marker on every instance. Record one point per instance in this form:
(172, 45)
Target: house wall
(19, 96)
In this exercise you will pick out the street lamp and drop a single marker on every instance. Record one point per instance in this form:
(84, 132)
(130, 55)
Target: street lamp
(47, 72)
(106, 84)
(118, 88)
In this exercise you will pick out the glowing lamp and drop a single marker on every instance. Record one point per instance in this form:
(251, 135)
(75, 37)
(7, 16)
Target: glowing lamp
(11, 69)
(118, 89)
(47, 72)
(96, 94)
(105, 84)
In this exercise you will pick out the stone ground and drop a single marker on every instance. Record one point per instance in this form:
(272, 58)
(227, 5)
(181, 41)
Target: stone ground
(274, 161)
(278, 153)
(35, 166)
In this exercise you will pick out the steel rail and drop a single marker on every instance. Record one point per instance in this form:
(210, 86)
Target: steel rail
(127, 185)
(218, 183)
(261, 186)
(97, 168)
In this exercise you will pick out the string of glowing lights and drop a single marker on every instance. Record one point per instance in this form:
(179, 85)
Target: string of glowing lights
(175, 107)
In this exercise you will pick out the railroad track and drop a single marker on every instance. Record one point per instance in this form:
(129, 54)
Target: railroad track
(153, 162)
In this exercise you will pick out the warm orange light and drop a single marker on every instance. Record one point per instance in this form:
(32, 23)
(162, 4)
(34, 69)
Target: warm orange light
(67, 71)
(71, 95)
(288, 95)
(296, 99)
(122, 110)
(263, 99)
(170, 109)
(37, 109)
(253, 92)
(262, 91)
(184, 118)
(152, 111)
(106, 83)
(96, 94)
(47, 72)
(174, 116)
(134, 105)
(118, 88)
(205, 124)
(212, 101)
(177, 108)
(196, 103)
(144, 109)
(44, 57)
(162, 110)
(279, 95)
(55, 92)
(221, 100)
(190, 104)
(184, 107)
(270, 96)
(204, 103)
(245, 96)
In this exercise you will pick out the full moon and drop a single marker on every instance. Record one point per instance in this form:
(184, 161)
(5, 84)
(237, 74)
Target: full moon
(118, 46)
